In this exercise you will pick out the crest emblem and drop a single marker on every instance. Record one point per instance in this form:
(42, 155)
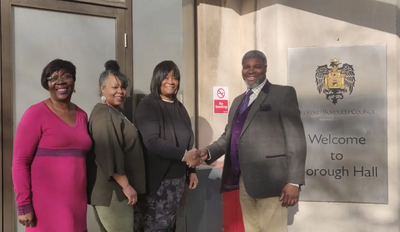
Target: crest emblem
(335, 80)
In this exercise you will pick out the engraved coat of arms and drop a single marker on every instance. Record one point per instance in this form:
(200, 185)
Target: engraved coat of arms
(335, 80)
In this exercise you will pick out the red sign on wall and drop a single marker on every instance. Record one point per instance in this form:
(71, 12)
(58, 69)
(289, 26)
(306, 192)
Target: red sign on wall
(220, 106)
(220, 100)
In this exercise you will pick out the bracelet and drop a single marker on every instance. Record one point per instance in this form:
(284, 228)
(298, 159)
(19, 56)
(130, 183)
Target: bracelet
(297, 185)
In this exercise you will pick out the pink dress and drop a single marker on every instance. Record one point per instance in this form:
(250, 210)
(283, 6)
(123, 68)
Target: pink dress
(49, 169)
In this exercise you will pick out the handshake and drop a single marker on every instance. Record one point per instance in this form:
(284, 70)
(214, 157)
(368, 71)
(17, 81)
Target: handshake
(194, 157)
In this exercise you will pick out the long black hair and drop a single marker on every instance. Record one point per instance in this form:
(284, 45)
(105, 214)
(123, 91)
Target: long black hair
(160, 73)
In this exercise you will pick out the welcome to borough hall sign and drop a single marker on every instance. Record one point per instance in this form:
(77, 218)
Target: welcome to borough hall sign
(342, 99)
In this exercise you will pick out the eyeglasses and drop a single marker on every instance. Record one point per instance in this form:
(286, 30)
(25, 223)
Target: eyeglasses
(53, 79)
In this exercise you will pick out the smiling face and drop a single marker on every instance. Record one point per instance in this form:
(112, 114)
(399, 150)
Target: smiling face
(254, 71)
(61, 85)
(169, 86)
(113, 90)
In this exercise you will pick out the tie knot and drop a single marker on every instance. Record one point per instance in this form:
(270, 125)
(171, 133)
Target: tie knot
(250, 92)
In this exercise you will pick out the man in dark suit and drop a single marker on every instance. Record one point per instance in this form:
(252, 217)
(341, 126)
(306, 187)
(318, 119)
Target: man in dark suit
(265, 148)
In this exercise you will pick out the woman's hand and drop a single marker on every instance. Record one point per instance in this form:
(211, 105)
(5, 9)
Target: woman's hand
(131, 194)
(193, 181)
(28, 220)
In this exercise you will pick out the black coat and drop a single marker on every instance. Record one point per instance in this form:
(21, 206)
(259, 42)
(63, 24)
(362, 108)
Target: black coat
(158, 137)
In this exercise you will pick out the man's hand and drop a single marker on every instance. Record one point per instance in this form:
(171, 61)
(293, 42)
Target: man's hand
(131, 194)
(28, 220)
(203, 154)
(193, 181)
(289, 195)
(192, 158)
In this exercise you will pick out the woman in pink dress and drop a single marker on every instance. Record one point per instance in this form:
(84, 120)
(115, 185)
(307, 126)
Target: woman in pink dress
(49, 163)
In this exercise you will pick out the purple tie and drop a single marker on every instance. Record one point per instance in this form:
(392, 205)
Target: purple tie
(245, 103)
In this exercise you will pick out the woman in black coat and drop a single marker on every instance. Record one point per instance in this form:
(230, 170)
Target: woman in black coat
(167, 135)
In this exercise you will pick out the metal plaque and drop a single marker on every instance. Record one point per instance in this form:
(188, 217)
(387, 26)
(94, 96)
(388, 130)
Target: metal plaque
(342, 99)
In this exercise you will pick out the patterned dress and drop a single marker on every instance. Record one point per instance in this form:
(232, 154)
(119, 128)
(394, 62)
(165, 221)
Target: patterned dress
(49, 169)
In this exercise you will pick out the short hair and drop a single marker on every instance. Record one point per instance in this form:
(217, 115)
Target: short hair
(254, 53)
(160, 72)
(112, 68)
(57, 65)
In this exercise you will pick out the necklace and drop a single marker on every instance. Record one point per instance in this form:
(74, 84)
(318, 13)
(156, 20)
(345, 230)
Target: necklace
(120, 114)
(167, 100)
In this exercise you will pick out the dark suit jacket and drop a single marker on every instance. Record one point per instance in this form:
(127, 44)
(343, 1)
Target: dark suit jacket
(272, 145)
(158, 136)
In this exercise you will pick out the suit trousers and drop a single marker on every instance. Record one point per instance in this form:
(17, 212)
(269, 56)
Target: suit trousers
(262, 214)
(116, 217)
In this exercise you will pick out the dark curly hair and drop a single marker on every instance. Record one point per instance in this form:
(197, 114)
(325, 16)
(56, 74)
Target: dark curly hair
(57, 65)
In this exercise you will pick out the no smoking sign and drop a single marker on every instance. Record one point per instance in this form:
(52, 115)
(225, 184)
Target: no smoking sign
(220, 100)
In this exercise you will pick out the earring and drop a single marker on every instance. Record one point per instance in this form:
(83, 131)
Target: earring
(74, 91)
(103, 99)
